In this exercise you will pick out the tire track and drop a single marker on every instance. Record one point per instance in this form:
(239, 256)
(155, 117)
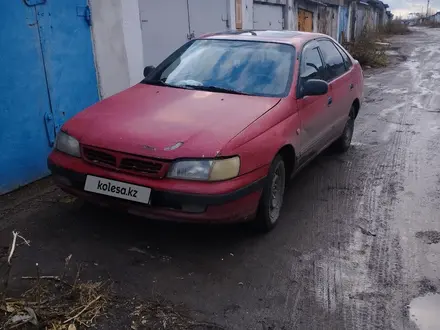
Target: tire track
(376, 260)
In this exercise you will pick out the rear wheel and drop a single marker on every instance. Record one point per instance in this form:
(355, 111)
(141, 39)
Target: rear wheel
(344, 142)
(272, 198)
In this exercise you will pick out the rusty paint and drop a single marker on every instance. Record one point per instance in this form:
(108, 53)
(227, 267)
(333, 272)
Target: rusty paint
(169, 148)
(174, 147)
(149, 147)
(327, 21)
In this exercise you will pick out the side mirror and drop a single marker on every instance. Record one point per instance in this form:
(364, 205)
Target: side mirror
(147, 70)
(314, 87)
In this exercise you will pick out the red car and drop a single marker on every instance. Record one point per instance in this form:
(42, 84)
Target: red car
(215, 132)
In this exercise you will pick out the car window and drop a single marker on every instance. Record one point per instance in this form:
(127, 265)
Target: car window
(250, 67)
(311, 65)
(332, 58)
(347, 60)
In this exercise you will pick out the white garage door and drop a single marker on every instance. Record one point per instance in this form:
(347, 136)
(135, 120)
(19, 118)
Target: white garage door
(208, 16)
(164, 28)
(268, 16)
(168, 24)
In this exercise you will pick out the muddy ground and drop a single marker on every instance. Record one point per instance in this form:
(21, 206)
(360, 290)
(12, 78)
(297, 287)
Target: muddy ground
(357, 243)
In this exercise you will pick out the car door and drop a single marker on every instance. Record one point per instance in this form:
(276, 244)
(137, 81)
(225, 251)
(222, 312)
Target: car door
(340, 85)
(312, 109)
(351, 77)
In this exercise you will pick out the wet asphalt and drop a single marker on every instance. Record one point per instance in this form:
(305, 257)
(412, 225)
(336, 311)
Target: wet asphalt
(357, 246)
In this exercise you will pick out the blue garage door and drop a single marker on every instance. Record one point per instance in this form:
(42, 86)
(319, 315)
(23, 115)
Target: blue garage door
(47, 76)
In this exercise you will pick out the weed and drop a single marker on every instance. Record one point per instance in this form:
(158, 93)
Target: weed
(366, 50)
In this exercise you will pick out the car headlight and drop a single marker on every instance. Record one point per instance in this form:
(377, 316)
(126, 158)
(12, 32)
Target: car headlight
(205, 169)
(67, 144)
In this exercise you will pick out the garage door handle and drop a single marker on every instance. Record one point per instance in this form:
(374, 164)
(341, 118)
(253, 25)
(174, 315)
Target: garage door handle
(330, 101)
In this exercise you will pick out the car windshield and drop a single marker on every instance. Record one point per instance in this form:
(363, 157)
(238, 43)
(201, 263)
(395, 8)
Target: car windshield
(229, 66)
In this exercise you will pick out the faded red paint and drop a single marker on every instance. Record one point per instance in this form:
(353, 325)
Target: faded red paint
(144, 120)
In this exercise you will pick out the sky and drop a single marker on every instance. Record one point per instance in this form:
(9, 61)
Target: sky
(404, 7)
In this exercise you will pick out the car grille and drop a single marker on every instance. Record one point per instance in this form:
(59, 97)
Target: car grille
(123, 162)
(99, 157)
(140, 166)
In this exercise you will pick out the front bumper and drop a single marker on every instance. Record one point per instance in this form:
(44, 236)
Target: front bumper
(177, 200)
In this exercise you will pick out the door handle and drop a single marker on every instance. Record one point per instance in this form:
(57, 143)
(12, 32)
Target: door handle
(330, 101)
(351, 86)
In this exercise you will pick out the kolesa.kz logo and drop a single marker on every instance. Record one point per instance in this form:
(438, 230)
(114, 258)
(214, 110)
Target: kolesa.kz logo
(116, 189)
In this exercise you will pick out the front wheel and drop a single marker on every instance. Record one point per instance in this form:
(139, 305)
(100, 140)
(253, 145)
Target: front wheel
(272, 198)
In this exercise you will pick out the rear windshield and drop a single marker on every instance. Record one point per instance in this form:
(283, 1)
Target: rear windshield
(242, 67)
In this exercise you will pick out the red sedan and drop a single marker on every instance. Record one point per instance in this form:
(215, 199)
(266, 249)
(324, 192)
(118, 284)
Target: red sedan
(215, 132)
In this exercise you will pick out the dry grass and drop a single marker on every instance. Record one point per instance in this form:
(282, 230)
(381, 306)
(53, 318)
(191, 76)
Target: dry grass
(431, 24)
(61, 303)
(56, 305)
(161, 315)
(366, 50)
(52, 302)
(394, 27)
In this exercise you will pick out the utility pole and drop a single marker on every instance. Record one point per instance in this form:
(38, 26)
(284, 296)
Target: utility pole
(427, 9)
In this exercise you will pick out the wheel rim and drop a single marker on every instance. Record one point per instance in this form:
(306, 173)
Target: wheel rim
(277, 193)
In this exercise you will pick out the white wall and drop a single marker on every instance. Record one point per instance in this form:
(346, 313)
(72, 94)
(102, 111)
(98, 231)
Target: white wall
(117, 40)
(231, 14)
(291, 16)
(133, 40)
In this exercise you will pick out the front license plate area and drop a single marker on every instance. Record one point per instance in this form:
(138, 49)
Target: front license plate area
(117, 189)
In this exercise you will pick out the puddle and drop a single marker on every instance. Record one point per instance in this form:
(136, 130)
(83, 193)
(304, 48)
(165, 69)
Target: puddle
(424, 312)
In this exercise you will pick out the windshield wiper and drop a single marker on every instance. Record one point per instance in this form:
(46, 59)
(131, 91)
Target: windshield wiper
(195, 87)
(155, 82)
(163, 83)
(217, 89)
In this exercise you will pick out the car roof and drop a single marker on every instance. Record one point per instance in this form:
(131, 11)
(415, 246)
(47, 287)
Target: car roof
(295, 38)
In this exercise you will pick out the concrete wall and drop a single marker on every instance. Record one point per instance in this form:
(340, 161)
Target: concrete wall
(117, 40)
(291, 20)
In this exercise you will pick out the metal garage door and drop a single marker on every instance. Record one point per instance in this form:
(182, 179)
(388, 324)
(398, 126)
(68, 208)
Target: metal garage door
(48, 75)
(328, 21)
(164, 28)
(168, 24)
(207, 16)
(268, 16)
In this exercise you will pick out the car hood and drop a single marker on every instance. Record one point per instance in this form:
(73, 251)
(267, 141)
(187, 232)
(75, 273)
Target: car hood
(165, 122)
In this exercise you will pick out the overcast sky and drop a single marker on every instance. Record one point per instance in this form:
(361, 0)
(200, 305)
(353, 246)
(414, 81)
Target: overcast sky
(403, 7)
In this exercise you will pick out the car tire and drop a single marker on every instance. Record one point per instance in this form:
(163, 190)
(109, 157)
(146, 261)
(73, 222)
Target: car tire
(343, 143)
(272, 197)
